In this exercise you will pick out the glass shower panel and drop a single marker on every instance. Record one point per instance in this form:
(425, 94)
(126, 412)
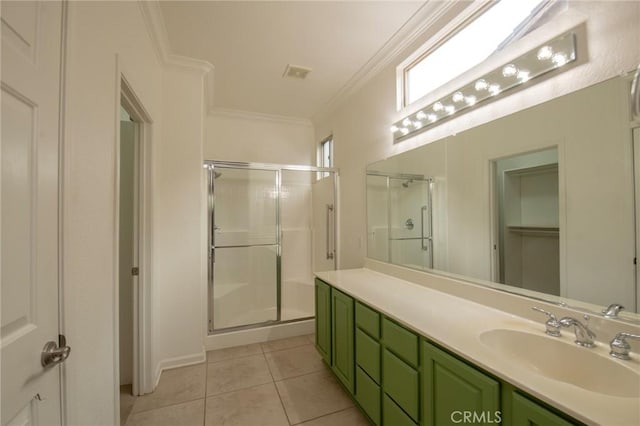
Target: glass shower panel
(296, 220)
(377, 218)
(246, 247)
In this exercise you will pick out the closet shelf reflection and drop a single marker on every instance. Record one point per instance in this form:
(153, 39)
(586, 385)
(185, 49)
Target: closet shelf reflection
(535, 230)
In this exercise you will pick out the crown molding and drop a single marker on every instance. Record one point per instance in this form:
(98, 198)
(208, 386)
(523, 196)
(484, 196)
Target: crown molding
(157, 31)
(415, 27)
(250, 115)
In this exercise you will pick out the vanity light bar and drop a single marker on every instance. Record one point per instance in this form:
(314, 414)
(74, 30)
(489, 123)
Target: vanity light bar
(541, 60)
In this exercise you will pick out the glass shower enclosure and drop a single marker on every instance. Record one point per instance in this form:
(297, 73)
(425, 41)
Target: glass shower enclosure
(270, 227)
(400, 220)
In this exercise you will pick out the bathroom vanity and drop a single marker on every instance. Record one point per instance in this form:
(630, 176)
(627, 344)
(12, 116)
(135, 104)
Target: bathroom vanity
(410, 354)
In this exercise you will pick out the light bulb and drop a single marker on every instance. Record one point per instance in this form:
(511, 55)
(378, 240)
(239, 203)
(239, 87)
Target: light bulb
(544, 53)
(432, 117)
(470, 100)
(457, 97)
(406, 122)
(559, 59)
(421, 115)
(481, 84)
(509, 70)
(404, 130)
(494, 89)
(437, 106)
(417, 124)
(393, 128)
(450, 109)
(523, 76)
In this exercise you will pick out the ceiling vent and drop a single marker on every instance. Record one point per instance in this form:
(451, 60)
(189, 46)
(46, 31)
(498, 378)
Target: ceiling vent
(294, 71)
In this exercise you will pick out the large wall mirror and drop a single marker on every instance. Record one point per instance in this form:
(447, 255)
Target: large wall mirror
(539, 203)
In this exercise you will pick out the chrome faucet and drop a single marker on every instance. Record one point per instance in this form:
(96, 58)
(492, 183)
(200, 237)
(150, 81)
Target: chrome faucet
(620, 347)
(584, 336)
(612, 310)
(552, 324)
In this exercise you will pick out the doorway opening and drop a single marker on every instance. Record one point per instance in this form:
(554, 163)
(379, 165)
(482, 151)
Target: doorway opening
(528, 221)
(133, 250)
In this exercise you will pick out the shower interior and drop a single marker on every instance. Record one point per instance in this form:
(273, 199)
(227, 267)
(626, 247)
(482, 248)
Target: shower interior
(270, 228)
(400, 215)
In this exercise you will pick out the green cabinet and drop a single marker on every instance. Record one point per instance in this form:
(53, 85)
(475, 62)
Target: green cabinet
(342, 338)
(323, 320)
(525, 412)
(398, 378)
(452, 388)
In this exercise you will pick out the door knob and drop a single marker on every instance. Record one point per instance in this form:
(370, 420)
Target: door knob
(53, 355)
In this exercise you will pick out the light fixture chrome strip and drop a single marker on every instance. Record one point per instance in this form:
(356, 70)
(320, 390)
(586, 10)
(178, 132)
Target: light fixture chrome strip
(539, 61)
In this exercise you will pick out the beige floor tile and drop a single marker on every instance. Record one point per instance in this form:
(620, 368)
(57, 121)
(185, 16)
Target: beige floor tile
(176, 386)
(126, 402)
(185, 414)
(349, 417)
(313, 395)
(257, 406)
(294, 362)
(233, 353)
(235, 374)
(278, 345)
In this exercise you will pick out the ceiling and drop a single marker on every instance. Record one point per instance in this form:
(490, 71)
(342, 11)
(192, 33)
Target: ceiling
(251, 43)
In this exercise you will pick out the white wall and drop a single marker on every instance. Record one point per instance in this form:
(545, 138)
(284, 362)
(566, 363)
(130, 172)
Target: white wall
(178, 279)
(361, 123)
(102, 36)
(233, 136)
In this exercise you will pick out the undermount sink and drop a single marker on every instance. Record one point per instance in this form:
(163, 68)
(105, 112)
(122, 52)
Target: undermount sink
(564, 362)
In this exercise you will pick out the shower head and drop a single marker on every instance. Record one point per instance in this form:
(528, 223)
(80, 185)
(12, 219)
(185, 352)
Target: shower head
(216, 175)
(406, 183)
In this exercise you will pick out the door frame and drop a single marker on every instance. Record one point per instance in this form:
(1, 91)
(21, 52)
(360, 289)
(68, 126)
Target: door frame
(142, 379)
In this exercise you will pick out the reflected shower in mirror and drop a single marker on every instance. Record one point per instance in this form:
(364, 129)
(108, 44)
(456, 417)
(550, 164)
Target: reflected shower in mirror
(540, 202)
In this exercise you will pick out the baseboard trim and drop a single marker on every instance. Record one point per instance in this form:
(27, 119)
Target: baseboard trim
(180, 361)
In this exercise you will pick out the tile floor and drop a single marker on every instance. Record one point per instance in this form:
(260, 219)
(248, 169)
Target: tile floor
(278, 383)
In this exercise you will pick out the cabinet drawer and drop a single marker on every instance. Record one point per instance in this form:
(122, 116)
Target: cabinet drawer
(401, 383)
(526, 412)
(368, 354)
(368, 320)
(393, 415)
(400, 341)
(368, 395)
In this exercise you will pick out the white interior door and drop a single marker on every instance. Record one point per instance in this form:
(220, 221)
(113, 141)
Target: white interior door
(31, 37)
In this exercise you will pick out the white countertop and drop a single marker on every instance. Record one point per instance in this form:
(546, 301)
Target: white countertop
(456, 324)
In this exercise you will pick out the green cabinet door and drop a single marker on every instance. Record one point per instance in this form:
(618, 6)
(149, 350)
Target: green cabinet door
(323, 320)
(525, 412)
(453, 391)
(342, 338)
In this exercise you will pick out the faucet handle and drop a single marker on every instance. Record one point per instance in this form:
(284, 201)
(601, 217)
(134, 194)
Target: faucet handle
(552, 325)
(612, 310)
(620, 347)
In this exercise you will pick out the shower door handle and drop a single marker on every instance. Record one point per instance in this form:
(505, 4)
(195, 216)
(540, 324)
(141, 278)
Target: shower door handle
(423, 209)
(329, 250)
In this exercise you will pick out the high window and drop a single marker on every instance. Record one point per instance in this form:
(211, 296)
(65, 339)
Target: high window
(325, 155)
(489, 29)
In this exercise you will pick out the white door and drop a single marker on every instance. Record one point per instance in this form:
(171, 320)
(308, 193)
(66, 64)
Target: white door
(31, 39)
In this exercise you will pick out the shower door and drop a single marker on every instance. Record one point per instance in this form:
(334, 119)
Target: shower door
(244, 247)
(410, 222)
